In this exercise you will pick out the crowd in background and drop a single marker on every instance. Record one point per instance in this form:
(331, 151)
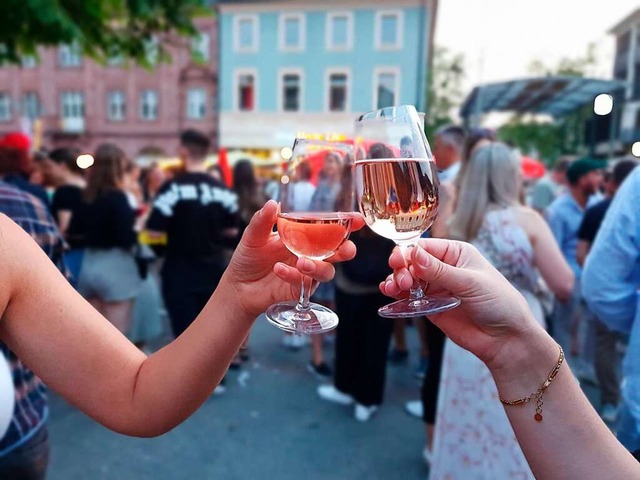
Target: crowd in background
(147, 247)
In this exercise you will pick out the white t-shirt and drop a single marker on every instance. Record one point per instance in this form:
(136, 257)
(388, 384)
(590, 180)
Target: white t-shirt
(301, 194)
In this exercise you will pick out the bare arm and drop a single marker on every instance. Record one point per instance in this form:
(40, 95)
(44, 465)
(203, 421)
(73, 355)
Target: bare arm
(495, 323)
(583, 250)
(63, 219)
(552, 265)
(447, 192)
(81, 355)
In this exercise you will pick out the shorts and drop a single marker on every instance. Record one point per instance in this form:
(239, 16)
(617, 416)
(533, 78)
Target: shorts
(110, 275)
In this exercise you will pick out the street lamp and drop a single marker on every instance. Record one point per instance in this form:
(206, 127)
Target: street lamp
(603, 104)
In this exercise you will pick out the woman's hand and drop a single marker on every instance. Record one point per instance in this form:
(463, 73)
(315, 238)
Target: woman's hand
(491, 312)
(263, 271)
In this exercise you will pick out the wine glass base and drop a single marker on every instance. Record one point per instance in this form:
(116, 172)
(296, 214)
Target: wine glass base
(318, 319)
(417, 308)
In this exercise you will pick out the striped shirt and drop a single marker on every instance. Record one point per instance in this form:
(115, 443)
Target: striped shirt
(31, 408)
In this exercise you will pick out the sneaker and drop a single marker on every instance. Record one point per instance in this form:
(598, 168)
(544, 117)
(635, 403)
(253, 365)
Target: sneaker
(363, 414)
(421, 371)
(609, 413)
(332, 394)
(427, 456)
(322, 370)
(297, 341)
(414, 408)
(398, 356)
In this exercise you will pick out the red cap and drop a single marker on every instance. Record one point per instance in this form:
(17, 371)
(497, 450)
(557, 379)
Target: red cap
(16, 140)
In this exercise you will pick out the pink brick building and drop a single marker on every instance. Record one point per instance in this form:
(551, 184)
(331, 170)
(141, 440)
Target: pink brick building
(66, 99)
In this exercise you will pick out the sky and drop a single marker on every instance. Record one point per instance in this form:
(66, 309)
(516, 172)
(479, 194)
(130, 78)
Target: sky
(499, 38)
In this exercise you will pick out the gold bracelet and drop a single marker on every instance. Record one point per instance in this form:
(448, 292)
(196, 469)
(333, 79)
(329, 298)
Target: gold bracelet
(538, 395)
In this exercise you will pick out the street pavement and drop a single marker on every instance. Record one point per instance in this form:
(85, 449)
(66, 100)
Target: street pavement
(269, 424)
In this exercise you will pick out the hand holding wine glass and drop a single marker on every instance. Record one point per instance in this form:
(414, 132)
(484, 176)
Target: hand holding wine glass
(315, 218)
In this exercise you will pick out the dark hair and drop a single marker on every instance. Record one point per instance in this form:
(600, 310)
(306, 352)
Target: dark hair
(196, 143)
(454, 135)
(68, 157)
(380, 150)
(13, 160)
(304, 171)
(406, 141)
(250, 198)
(476, 135)
(621, 170)
(562, 164)
(107, 171)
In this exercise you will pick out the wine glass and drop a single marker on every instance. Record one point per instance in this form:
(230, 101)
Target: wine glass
(396, 183)
(314, 219)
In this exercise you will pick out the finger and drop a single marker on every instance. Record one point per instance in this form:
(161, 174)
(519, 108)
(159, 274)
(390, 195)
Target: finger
(403, 278)
(346, 252)
(261, 225)
(357, 223)
(291, 275)
(447, 251)
(321, 271)
(390, 288)
(397, 259)
(438, 273)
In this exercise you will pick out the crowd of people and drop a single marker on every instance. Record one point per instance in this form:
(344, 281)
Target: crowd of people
(138, 244)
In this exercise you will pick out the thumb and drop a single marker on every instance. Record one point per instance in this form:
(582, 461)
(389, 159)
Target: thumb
(436, 272)
(261, 225)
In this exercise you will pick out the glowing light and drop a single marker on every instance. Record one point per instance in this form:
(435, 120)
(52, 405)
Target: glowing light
(286, 153)
(85, 161)
(603, 104)
(635, 149)
(284, 179)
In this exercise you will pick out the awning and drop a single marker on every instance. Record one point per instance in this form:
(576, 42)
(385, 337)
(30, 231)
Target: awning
(553, 95)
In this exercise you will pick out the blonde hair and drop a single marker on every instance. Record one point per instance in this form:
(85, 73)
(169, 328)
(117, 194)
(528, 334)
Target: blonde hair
(490, 180)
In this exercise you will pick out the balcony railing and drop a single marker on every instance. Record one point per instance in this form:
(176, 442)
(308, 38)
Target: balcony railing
(72, 125)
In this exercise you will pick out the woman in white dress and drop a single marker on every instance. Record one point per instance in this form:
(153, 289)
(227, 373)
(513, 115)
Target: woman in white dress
(473, 437)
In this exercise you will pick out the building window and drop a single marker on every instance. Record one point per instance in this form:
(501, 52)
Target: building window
(29, 61)
(338, 90)
(149, 105)
(5, 107)
(292, 32)
(245, 33)
(246, 92)
(31, 105)
(291, 92)
(200, 47)
(196, 103)
(152, 50)
(70, 55)
(340, 31)
(386, 89)
(72, 105)
(388, 30)
(116, 105)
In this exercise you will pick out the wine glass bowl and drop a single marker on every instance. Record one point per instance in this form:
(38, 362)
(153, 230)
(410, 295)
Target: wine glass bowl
(314, 219)
(396, 186)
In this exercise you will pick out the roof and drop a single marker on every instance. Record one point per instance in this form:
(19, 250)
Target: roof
(626, 23)
(553, 95)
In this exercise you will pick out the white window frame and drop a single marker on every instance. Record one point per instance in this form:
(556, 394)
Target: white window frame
(201, 46)
(29, 61)
(237, 48)
(123, 104)
(199, 114)
(377, 36)
(69, 55)
(236, 84)
(282, 36)
(290, 71)
(327, 99)
(377, 71)
(77, 100)
(6, 110)
(329, 32)
(157, 105)
(31, 94)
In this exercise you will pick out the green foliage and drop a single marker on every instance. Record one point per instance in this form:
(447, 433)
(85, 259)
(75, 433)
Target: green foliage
(444, 94)
(102, 29)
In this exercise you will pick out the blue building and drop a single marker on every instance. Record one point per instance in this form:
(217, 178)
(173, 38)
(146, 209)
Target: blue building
(301, 66)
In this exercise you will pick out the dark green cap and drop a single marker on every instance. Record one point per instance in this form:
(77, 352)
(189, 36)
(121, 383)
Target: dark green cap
(581, 167)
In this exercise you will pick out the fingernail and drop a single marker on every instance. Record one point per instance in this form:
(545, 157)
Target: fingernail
(422, 256)
(280, 268)
(308, 265)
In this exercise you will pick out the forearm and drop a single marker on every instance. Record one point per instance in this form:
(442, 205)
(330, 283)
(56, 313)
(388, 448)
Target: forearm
(571, 442)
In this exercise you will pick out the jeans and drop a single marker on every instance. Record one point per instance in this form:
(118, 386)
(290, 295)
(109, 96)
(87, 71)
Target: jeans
(29, 461)
(607, 363)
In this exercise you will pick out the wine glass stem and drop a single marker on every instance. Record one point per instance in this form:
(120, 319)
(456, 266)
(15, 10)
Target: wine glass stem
(415, 292)
(303, 302)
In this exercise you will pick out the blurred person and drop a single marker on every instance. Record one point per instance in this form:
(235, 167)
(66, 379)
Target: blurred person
(556, 428)
(61, 170)
(250, 200)
(16, 165)
(199, 216)
(323, 199)
(80, 355)
(362, 336)
(109, 277)
(24, 448)
(564, 216)
(610, 284)
(549, 187)
(518, 243)
(606, 356)
(152, 179)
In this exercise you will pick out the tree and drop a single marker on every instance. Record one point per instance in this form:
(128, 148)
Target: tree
(444, 91)
(100, 28)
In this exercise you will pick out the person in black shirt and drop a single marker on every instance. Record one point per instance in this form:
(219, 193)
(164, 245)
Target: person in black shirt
(199, 216)
(606, 357)
(109, 277)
